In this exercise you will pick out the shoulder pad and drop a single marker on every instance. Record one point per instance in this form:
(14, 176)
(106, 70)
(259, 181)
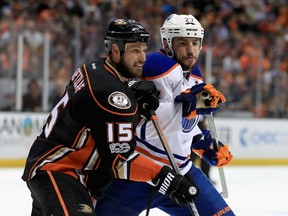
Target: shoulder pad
(157, 64)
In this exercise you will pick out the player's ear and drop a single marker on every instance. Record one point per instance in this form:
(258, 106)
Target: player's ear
(115, 49)
(166, 47)
(165, 44)
(115, 53)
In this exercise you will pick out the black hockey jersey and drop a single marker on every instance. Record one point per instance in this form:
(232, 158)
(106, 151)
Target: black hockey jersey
(92, 125)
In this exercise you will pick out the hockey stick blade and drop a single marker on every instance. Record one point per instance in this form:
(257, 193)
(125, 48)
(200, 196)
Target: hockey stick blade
(170, 155)
(212, 128)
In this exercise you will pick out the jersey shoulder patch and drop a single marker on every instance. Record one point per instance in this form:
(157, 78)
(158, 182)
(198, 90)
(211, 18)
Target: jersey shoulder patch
(108, 92)
(119, 100)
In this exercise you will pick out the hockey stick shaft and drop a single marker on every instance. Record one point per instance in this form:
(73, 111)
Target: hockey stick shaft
(170, 155)
(212, 128)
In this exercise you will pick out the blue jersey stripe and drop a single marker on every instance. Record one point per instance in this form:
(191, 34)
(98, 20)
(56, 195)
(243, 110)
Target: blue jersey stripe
(153, 148)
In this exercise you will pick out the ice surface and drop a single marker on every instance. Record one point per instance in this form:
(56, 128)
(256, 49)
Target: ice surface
(253, 191)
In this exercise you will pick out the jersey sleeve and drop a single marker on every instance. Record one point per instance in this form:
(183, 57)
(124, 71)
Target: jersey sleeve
(167, 76)
(137, 167)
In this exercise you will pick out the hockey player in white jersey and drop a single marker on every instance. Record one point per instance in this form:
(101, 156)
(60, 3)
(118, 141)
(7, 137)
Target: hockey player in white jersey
(175, 74)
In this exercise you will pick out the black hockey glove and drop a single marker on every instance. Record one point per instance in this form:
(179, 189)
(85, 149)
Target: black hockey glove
(147, 97)
(177, 187)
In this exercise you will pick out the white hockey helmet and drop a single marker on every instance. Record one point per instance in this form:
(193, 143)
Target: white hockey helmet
(181, 26)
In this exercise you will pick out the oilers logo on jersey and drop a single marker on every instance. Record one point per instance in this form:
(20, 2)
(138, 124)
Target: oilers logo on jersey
(189, 124)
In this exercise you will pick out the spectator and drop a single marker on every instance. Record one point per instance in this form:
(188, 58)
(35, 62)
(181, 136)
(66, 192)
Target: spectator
(238, 32)
(32, 100)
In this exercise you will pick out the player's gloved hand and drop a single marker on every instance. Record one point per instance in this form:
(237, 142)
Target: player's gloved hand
(210, 103)
(215, 97)
(147, 97)
(203, 147)
(189, 101)
(177, 187)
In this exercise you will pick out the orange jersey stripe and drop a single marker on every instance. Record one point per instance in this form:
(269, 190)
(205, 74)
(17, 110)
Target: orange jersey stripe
(73, 160)
(154, 117)
(40, 159)
(162, 160)
(196, 77)
(143, 169)
(58, 193)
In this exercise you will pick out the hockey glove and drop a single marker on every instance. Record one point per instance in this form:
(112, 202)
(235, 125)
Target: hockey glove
(177, 187)
(147, 97)
(214, 97)
(203, 147)
(210, 103)
(189, 100)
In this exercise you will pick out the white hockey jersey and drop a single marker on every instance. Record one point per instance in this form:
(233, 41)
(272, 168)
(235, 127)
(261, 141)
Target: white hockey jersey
(168, 78)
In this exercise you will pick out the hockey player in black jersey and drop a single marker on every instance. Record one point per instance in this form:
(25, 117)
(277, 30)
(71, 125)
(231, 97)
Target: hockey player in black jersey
(92, 128)
(175, 73)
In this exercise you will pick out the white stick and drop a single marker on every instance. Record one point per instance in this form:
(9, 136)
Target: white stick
(212, 128)
(170, 156)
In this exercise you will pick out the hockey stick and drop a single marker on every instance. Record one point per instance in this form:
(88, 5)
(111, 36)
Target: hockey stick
(170, 156)
(212, 128)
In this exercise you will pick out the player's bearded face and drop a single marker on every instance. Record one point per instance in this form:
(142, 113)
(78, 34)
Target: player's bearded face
(186, 51)
(133, 59)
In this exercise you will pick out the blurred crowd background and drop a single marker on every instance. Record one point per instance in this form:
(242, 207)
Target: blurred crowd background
(247, 39)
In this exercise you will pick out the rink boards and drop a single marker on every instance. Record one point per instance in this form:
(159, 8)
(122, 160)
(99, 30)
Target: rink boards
(252, 141)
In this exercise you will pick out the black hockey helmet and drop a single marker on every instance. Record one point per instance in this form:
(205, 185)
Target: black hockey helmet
(122, 31)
